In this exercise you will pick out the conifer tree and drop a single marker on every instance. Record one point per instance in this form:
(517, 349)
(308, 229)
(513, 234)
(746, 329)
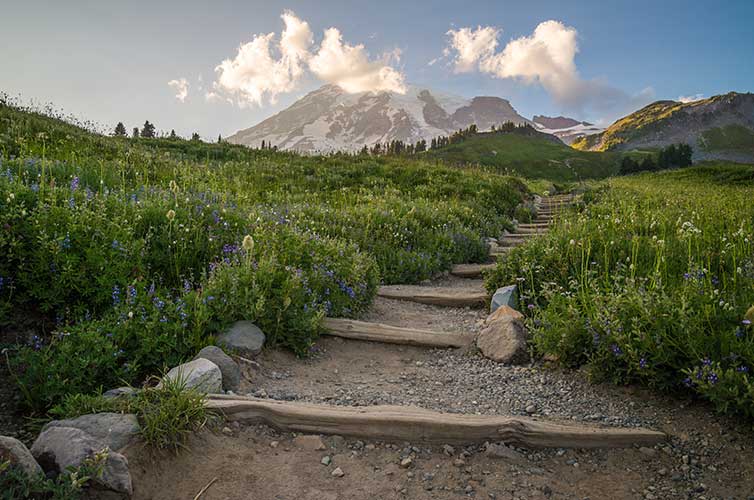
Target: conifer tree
(120, 130)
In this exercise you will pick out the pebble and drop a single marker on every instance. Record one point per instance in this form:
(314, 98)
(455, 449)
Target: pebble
(406, 463)
(338, 472)
(326, 460)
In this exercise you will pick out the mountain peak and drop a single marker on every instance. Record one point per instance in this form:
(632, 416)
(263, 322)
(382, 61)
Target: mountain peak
(330, 119)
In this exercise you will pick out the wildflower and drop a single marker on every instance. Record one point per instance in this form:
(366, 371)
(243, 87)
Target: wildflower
(643, 363)
(707, 362)
(688, 382)
(170, 215)
(712, 378)
(531, 306)
(742, 369)
(746, 322)
(74, 183)
(617, 351)
(116, 295)
(248, 243)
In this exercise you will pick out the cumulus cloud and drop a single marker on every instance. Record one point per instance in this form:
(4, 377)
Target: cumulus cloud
(690, 98)
(349, 67)
(546, 57)
(269, 65)
(181, 87)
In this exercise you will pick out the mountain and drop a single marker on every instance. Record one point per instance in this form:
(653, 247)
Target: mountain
(566, 129)
(330, 119)
(529, 153)
(721, 127)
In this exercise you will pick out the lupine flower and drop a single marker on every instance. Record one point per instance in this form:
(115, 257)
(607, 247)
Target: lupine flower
(712, 378)
(746, 322)
(643, 363)
(617, 351)
(116, 295)
(74, 183)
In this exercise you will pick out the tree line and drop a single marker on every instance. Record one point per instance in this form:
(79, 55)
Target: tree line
(673, 156)
(149, 131)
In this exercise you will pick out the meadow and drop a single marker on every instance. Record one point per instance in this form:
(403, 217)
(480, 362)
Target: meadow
(649, 282)
(124, 256)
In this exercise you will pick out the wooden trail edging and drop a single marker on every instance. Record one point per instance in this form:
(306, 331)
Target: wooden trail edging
(397, 423)
(377, 332)
(448, 297)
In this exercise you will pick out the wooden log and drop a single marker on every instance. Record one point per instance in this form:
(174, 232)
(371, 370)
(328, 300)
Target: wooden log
(377, 332)
(400, 423)
(448, 297)
(470, 270)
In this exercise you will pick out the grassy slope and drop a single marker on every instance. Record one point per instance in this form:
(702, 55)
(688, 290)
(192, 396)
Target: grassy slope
(730, 138)
(531, 157)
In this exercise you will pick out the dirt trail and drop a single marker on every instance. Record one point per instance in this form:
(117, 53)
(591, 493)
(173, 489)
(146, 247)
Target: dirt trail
(706, 456)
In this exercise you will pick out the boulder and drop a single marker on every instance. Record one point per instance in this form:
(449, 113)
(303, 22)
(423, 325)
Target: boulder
(16, 452)
(505, 296)
(115, 430)
(244, 337)
(57, 448)
(503, 339)
(120, 392)
(200, 374)
(230, 371)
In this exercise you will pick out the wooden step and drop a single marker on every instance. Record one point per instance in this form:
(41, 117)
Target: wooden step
(448, 297)
(417, 425)
(377, 332)
(511, 242)
(499, 250)
(533, 225)
(470, 270)
(531, 230)
(520, 236)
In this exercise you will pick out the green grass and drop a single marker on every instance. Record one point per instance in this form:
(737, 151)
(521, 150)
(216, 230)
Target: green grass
(649, 282)
(129, 251)
(729, 138)
(531, 157)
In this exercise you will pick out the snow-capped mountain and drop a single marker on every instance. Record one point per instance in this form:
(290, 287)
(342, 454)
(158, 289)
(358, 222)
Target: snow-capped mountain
(566, 129)
(330, 119)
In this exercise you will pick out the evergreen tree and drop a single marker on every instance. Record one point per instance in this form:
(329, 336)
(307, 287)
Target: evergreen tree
(219, 139)
(195, 137)
(148, 130)
(364, 151)
(120, 130)
(173, 134)
(135, 132)
(684, 155)
(262, 143)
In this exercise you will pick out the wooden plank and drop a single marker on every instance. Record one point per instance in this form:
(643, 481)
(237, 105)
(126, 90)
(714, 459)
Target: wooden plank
(448, 297)
(470, 270)
(377, 332)
(417, 425)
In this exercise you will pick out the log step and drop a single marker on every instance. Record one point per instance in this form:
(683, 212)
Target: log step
(531, 230)
(533, 225)
(448, 297)
(377, 332)
(417, 425)
(470, 270)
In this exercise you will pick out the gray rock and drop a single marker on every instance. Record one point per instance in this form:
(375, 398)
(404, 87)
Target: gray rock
(13, 450)
(200, 374)
(244, 337)
(501, 451)
(57, 448)
(115, 430)
(120, 392)
(505, 296)
(504, 340)
(230, 371)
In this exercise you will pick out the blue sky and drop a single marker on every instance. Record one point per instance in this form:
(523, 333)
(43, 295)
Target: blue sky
(109, 62)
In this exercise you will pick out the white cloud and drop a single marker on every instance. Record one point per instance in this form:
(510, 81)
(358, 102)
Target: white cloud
(181, 87)
(349, 67)
(546, 57)
(690, 98)
(268, 66)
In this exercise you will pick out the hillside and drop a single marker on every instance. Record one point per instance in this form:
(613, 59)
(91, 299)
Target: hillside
(721, 127)
(532, 155)
(566, 129)
(330, 119)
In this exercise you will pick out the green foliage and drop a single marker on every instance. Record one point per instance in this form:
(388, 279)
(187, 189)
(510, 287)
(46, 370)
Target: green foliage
(167, 414)
(15, 484)
(649, 283)
(673, 156)
(530, 156)
(728, 138)
(132, 247)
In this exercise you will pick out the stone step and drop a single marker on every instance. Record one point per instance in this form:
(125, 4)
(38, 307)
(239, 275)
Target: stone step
(378, 332)
(437, 296)
(470, 270)
(531, 230)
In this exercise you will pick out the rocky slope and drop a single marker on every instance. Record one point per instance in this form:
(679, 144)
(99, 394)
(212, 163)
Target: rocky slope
(330, 119)
(566, 129)
(721, 127)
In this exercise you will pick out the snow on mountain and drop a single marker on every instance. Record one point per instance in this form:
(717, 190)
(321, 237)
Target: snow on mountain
(566, 129)
(330, 119)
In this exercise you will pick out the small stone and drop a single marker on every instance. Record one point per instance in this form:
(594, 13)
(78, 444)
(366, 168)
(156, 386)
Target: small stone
(531, 409)
(504, 296)
(227, 431)
(504, 340)
(649, 453)
(326, 460)
(244, 337)
(448, 450)
(501, 451)
(459, 462)
(274, 444)
(309, 442)
(228, 368)
(338, 472)
(406, 462)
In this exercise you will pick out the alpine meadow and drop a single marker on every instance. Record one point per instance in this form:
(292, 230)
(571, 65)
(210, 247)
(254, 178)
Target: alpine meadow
(358, 257)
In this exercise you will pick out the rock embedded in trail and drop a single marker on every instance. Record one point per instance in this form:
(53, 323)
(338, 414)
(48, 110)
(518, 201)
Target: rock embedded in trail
(505, 296)
(503, 339)
(229, 369)
(14, 451)
(309, 442)
(244, 337)
(120, 392)
(58, 448)
(115, 430)
(200, 374)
